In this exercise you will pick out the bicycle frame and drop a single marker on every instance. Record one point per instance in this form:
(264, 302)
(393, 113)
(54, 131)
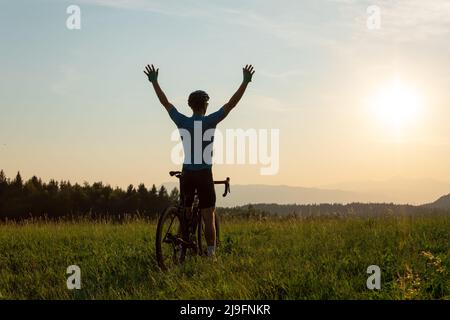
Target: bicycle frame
(190, 232)
(193, 221)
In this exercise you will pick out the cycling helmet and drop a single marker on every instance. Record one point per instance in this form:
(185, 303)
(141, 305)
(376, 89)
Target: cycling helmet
(197, 99)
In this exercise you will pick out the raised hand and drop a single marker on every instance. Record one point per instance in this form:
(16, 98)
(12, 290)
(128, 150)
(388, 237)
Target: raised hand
(151, 73)
(248, 73)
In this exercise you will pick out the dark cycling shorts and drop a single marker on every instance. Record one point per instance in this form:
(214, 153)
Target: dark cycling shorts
(202, 181)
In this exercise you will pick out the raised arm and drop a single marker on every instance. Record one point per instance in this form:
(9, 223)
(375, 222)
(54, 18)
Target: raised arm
(152, 75)
(248, 73)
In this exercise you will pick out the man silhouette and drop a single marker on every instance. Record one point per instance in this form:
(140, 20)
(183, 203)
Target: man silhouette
(197, 168)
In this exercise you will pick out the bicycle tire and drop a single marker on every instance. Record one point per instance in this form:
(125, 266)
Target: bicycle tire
(165, 259)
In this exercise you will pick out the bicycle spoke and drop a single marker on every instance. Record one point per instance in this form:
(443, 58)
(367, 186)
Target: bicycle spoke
(171, 222)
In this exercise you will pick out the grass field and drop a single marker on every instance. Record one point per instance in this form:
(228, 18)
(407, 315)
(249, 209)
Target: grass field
(318, 258)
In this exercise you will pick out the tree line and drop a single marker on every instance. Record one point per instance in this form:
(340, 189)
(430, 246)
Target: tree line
(33, 198)
(21, 199)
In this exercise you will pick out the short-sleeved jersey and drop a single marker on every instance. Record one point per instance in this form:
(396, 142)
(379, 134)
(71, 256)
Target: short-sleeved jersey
(195, 141)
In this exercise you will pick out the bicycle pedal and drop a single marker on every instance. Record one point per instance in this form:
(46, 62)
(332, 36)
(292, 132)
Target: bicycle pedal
(174, 240)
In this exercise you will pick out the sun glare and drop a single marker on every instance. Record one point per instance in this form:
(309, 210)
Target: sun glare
(397, 105)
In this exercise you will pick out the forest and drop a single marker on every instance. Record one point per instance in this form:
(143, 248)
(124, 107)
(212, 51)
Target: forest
(21, 199)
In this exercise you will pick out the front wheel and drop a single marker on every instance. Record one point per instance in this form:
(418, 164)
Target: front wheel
(169, 248)
(202, 245)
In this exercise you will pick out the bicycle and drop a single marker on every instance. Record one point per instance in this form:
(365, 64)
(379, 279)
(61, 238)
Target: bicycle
(183, 235)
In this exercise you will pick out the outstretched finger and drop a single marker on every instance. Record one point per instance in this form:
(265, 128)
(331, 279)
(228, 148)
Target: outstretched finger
(153, 68)
(146, 73)
(148, 68)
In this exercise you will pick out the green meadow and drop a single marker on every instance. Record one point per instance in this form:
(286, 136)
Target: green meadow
(258, 258)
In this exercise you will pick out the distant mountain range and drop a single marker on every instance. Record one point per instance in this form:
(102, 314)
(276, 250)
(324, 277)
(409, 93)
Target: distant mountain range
(254, 193)
(396, 190)
(441, 203)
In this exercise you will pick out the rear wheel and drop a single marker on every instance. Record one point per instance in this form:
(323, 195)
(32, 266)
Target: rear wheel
(169, 248)
(202, 245)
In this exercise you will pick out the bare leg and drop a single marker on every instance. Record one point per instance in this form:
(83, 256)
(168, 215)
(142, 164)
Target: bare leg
(210, 225)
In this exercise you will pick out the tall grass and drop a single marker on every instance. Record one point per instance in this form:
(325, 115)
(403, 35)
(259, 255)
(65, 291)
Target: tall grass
(315, 258)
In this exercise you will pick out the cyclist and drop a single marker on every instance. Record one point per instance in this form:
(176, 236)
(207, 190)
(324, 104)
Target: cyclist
(197, 173)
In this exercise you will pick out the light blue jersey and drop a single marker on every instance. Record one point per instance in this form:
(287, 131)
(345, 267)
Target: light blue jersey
(192, 131)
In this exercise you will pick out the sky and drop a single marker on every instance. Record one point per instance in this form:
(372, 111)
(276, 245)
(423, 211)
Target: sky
(75, 104)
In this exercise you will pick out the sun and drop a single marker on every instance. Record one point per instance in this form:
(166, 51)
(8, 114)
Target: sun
(397, 105)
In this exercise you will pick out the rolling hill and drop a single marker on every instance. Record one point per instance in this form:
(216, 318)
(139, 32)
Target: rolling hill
(441, 203)
(396, 190)
(281, 194)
